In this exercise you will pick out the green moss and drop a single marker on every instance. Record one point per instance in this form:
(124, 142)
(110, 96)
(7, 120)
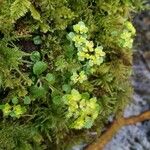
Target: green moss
(72, 44)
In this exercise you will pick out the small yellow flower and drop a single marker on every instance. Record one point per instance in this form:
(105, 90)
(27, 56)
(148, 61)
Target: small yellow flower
(80, 28)
(82, 103)
(74, 77)
(99, 51)
(75, 95)
(84, 49)
(81, 55)
(130, 27)
(78, 124)
(17, 110)
(87, 56)
(79, 40)
(125, 35)
(91, 63)
(82, 76)
(7, 109)
(90, 45)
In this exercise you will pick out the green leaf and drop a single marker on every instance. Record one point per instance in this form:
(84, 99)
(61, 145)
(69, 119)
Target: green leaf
(39, 67)
(35, 56)
(66, 88)
(37, 40)
(15, 100)
(35, 14)
(27, 100)
(38, 92)
(57, 100)
(85, 95)
(50, 78)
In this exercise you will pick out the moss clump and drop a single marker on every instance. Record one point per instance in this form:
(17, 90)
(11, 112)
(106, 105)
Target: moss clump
(65, 68)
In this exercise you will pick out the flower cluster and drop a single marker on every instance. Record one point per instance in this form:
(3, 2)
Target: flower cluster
(14, 111)
(86, 51)
(126, 40)
(130, 27)
(82, 109)
(81, 77)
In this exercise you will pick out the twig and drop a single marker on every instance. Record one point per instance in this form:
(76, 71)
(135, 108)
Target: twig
(100, 143)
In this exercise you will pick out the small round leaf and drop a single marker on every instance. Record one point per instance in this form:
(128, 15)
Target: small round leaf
(27, 100)
(37, 40)
(50, 78)
(39, 67)
(35, 56)
(66, 88)
(15, 100)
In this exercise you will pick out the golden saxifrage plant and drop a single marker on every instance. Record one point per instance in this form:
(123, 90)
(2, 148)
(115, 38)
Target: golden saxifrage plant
(65, 69)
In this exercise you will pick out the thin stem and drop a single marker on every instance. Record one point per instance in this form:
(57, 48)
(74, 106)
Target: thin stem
(54, 89)
(27, 62)
(21, 74)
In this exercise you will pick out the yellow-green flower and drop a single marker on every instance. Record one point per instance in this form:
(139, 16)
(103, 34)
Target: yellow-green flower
(90, 45)
(81, 55)
(74, 77)
(130, 27)
(82, 103)
(79, 77)
(84, 49)
(126, 40)
(78, 124)
(91, 62)
(82, 111)
(79, 40)
(99, 51)
(82, 77)
(80, 28)
(76, 96)
(87, 56)
(17, 110)
(7, 109)
(125, 35)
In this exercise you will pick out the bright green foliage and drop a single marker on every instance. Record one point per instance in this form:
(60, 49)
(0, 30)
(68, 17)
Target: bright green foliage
(15, 111)
(81, 77)
(83, 111)
(65, 68)
(35, 14)
(86, 50)
(126, 37)
(19, 8)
